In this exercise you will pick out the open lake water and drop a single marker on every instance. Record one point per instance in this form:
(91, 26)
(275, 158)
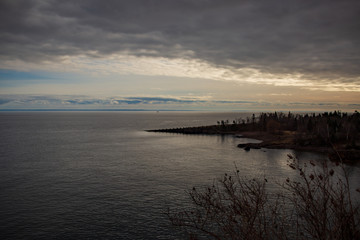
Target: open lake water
(99, 175)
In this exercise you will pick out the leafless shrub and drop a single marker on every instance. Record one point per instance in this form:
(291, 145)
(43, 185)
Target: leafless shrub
(241, 208)
(232, 208)
(322, 202)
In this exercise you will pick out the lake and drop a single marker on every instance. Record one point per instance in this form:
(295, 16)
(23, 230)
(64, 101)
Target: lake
(100, 175)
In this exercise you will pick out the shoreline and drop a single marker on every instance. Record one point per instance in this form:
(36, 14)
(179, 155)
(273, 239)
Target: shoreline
(278, 140)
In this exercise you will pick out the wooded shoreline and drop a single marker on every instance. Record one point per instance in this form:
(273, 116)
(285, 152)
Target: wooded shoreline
(335, 134)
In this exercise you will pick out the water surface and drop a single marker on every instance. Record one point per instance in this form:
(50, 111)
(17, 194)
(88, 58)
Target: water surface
(99, 175)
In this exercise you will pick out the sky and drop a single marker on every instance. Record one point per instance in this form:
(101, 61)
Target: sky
(209, 55)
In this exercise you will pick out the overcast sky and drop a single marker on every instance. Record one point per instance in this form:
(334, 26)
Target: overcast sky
(195, 54)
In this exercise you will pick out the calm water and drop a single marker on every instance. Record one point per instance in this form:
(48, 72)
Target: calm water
(99, 175)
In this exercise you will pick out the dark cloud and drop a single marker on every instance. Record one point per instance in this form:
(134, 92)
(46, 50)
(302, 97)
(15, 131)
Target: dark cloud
(77, 102)
(320, 39)
(86, 100)
(160, 100)
(235, 102)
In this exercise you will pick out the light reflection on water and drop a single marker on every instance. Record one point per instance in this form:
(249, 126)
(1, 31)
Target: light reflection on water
(100, 175)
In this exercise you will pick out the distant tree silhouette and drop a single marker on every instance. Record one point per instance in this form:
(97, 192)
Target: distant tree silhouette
(326, 128)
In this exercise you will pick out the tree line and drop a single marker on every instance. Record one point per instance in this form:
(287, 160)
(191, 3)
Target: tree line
(322, 128)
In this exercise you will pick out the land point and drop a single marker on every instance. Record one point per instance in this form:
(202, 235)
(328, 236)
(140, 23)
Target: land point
(334, 133)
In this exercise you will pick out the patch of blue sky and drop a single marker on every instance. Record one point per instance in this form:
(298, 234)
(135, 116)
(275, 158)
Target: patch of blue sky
(4, 101)
(15, 78)
(17, 75)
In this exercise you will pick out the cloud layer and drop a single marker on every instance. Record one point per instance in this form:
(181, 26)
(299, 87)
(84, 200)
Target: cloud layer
(53, 102)
(308, 42)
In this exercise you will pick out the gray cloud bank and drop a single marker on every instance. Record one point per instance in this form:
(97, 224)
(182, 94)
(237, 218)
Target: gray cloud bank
(69, 100)
(318, 39)
(72, 102)
(44, 100)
